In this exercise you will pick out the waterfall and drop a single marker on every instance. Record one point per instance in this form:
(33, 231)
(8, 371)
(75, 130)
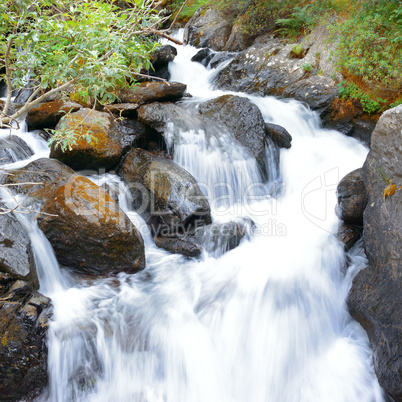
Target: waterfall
(264, 322)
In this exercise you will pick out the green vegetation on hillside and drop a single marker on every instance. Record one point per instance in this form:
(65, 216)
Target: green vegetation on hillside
(367, 36)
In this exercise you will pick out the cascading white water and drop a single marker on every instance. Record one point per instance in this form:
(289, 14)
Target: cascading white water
(265, 322)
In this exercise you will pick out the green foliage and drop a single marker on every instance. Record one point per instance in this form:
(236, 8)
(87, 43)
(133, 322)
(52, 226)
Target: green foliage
(353, 91)
(395, 104)
(66, 138)
(256, 16)
(190, 8)
(304, 18)
(370, 43)
(308, 68)
(92, 43)
(297, 50)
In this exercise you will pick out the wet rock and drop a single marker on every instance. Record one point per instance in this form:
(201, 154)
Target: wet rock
(177, 245)
(166, 195)
(109, 140)
(16, 257)
(122, 109)
(349, 234)
(161, 59)
(23, 316)
(219, 238)
(279, 135)
(352, 198)
(218, 58)
(207, 28)
(215, 238)
(23, 347)
(89, 232)
(48, 114)
(375, 299)
(203, 56)
(243, 119)
(152, 91)
(13, 149)
(158, 115)
(40, 179)
(265, 68)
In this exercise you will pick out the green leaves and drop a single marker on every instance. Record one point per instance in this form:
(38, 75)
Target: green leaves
(93, 42)
(369, 44)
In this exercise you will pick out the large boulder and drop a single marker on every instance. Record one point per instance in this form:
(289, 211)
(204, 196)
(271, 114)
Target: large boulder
(87, 229)
(152, 91)
(89, 232)
(48, 114)
(243, 119)
(352, 198)
(165, 194)
(266, 68)
(109, 139)
(207, 28)
(375, 299)
(216, 30)
(12, 149)
(24, 315)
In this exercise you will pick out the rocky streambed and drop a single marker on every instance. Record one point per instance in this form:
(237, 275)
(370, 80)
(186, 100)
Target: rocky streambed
(93, 237)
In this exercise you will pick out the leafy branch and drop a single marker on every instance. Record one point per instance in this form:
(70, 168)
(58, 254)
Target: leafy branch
(59, 44)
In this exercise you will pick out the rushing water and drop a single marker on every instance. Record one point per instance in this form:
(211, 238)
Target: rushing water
(265, 322)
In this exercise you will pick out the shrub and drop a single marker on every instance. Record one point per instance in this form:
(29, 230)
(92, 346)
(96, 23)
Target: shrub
(353, 91)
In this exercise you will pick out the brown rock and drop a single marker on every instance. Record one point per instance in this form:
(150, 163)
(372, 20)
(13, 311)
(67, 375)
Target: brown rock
(152, 91)
(89, 232)
(48, 114)
(109, 140)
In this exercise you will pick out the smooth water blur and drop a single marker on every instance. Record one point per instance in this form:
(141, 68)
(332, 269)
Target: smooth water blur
(264, 322)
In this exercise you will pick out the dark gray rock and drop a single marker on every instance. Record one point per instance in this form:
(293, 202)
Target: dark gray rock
(243, 119)
(177, 245)
(208, 28)
(163, 56)
(13, 149)
(279, 135)
(265, 68)
(219, 238)
(158, 115)
(23, 316)
(375, 299)
(352, 198)
(16, 257)
(349, 234)
(23, 347)
(203, 56)
(40, 179)
(166, 195)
